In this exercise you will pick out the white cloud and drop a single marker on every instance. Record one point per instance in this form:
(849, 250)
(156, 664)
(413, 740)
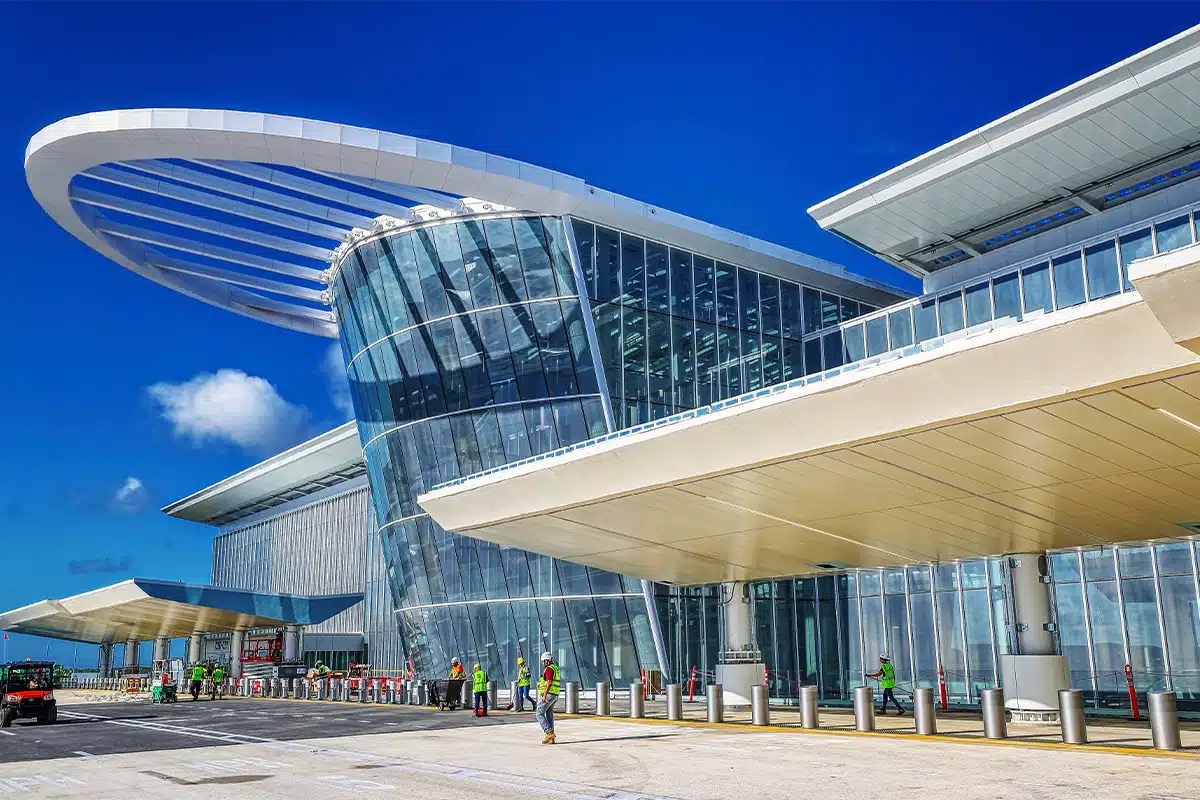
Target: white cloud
(231, 406)
(131, 497)
(339, 385)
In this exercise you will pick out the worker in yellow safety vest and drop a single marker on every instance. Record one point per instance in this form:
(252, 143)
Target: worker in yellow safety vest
(887, 681)
(199, 673)
(480, 680)
(548, 688)
(524, 682)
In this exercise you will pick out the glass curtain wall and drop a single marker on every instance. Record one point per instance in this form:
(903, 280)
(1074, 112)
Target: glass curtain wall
(678, 330)
(467, 349)
(1134, 605)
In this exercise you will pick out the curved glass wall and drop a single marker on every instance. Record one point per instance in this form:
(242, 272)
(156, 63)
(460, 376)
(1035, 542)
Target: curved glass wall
(467, 349)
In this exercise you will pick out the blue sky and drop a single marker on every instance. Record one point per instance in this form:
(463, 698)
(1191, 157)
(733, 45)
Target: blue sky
(742, 115)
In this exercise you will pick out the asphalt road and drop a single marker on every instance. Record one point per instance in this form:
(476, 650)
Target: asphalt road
(85, 731)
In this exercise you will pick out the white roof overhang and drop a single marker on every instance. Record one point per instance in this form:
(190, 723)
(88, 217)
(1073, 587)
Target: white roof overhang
(245, 210)
(1115, 135)
(324, 461)
(1079, 428)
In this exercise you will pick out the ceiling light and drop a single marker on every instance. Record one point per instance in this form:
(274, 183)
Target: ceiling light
(1179, 419)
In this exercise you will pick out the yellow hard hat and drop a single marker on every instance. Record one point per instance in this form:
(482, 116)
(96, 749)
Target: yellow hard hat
(520, 659)
(476, 666)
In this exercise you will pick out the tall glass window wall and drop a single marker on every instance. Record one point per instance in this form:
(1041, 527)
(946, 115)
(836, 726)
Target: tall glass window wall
(1116, 606)
(678, 330)
(467, 349)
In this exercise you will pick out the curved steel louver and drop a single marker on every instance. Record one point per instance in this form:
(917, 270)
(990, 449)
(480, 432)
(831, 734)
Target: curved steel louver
(246, 210)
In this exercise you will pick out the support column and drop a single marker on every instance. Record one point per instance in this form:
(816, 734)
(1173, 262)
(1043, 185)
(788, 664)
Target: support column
(741, 666)
(104, 661)
(162, 648)
(235, 654)
(291, 644)
(132, 652)
(1033, 675)
(194, 647)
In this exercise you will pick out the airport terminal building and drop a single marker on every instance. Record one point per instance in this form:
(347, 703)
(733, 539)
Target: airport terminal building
(590, 425)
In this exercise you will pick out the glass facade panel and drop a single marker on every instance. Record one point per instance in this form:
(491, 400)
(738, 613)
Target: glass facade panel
(1035, 283)
(900, 327)
(1103, 272)
(1173, 234)
(979, 304)
(1133, 246)
(1006, 296)
(877, 336)
(925, 321)
(950, 313)
(446, 384)
(1068, 280)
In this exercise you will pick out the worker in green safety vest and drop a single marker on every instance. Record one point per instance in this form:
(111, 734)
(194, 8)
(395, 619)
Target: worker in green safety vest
(199, 673)
(524, 681)
(887, 681)
(480, 679)
(548, 688)
(218, 679)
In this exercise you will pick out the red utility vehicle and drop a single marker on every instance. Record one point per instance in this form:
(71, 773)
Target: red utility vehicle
(27, 691)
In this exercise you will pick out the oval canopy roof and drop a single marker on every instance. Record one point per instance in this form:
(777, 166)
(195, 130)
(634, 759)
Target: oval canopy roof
(246, 210)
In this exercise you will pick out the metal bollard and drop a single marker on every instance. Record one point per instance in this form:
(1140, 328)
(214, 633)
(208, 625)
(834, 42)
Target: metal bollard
(345, 691)
(864, 709)
(322, 688)
(602, 704)
(760, 709)
(468, 696)
(923, 711)
(493, 694)
(809, 717)
(1164, 721)
(512, 696)
(637, 702)
(1070, 714)
(572, 697)
(674, 702)
(365, 690)
(423, 693)
(994, 724)
(715, 696)
(383, 692)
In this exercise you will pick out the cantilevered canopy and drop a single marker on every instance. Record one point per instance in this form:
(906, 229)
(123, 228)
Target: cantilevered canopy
(146, 609)
(1120, 134)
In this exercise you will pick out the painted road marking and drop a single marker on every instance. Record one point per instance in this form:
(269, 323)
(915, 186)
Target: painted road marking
(8, 733)
(84, 753)
(432, 768)
(25, 783)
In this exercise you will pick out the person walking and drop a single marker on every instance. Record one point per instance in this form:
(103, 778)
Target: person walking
(887, 680)
(523, 684)
(218, 680)
(548, 689)
(480, 679)
(198, 675)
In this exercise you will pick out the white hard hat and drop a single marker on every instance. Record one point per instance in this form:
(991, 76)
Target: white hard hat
(547, 657)
(454, 660)
(884, 657)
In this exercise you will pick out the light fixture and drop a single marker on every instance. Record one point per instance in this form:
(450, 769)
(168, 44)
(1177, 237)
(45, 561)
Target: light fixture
(1179, 419)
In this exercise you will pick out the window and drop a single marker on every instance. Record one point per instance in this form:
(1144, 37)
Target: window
(681, 283)
(831, 310)
(1173, 234)
(790, 316)
(1006, 296)
(1068, 280)
(950, 312)
(856, 347)
(633, 271)
(1103, 272)
(812, 309)
(1036, 283)
(1134, 246)
(900, 327)
(748, 299)
(925, 320)
(849, 309)
(832, 346)
(727, 302)
(877, 335)
(585, 235)
(812, 357)
(979, 305)
(706, 297)
(768, 305)
(657, 278)
(608, 264)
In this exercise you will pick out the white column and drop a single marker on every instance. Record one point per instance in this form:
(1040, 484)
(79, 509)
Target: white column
(741, 667)
(162, 648)
(194, 647)
(739, 625)
(104, 660)
(291, 644)
(1031, 603)
(235, 654)
(131, 653)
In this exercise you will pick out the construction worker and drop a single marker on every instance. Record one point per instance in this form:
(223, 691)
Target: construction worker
(548, 688)
(480, 679)
(218, 679)
(457, 673)
(199, 673)
(322, 670)
(523, 684)
(887, 680)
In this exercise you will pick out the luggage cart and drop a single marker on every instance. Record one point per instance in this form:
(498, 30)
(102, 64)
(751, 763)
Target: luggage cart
(446, 693)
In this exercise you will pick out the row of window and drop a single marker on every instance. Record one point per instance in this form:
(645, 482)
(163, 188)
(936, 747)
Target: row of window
(1067, 279)
(629, 270)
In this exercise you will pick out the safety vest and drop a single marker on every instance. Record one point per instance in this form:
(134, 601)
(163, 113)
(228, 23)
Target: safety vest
(480, 680)
(322, 670)
(889, 675)
(553, 686)
(218, 675)
(197, 673)
(523, 675)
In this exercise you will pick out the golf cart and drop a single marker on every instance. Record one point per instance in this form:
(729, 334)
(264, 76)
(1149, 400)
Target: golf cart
(27, 690)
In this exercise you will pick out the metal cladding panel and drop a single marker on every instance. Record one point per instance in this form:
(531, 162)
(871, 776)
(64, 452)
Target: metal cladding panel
(320, 548)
